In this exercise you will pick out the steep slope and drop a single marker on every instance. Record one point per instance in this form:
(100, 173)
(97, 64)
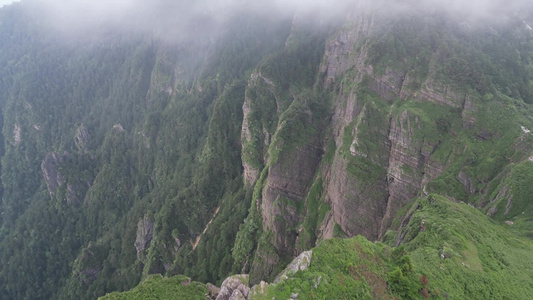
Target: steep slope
(127, 154)
(120, 149)
(450, 251)
(446, 250)
(397, 107)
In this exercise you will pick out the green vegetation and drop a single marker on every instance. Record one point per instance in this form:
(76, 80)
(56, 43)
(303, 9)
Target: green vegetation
(122, 157)
(157, 287)
(450, 250)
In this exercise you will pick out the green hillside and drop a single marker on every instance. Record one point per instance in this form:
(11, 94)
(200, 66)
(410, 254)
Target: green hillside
(447, 251)
(212, 138)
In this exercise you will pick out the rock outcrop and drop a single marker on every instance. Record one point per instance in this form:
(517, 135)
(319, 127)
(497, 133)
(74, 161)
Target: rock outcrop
(300, 263)
(82, 137)
(145, 232)
(16, 135)
(234, 288)
(213, 290)
(51, 174)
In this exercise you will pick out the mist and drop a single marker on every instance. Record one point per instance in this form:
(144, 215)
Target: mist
(178, 20)
(6, 2)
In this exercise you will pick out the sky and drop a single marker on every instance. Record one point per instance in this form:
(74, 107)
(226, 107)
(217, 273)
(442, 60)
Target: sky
(5, 2)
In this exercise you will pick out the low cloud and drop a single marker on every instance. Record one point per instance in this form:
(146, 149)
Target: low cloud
(179, 19)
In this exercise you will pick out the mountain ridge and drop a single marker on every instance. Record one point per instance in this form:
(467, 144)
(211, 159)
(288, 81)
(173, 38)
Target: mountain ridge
(122, 148)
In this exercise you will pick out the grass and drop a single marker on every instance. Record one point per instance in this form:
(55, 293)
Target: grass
(482, 260)
(450, 251)
(156, 287)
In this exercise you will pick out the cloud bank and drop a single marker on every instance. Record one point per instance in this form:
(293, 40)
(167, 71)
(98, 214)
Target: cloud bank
(181, 18)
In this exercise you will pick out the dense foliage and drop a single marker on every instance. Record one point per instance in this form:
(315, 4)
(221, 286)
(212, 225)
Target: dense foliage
(449, 251)
(122, 156)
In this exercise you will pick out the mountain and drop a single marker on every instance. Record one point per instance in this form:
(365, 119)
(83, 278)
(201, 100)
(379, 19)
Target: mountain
(263, 132)
(448, 251)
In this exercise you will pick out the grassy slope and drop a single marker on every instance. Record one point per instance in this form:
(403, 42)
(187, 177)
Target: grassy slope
(157, 287)
(482, 260)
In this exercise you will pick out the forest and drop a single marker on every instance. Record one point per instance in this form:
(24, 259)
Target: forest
(126, 154)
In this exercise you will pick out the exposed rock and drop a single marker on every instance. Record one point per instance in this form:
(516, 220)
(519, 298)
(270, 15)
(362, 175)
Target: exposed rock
(213, 290)
(234, 287)
(71, 194)
(255, 138)
(357, 207)
(186, 282)
(52, 177)
(16, 135)
(439, 94)
(258, 289)
(467, 182)
(287, 184)
(145, 230)
(504, 194)
(510, 223)
(484, 134)
(338, 58)
(89, 275)
(300, 263)
(118, 127)
(250, 173)
(237, 295)
(317, 282)
(390, 85)
(82, 137)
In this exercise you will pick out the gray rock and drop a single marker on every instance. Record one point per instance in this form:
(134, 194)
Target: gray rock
(234, 286)
(213, 290)
(51, 174)
(145, 231)
(258, 289)
(82, 137)
(237, 295)
(300, 263)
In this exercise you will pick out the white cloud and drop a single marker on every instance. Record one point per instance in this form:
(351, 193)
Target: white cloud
(6, 2)
(174, 17)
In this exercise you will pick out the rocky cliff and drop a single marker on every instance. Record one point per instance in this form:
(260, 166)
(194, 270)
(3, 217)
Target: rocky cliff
(389, 131)
(128, 154)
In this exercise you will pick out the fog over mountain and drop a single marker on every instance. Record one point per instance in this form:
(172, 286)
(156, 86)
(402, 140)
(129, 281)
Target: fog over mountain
(178, 19)
(220, 139)
(6, 2)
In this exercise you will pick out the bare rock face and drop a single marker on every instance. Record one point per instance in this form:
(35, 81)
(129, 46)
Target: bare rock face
(237, 295)
(213, 290)
(250, 172)
(16, 135)
(51, 174)
(300, 263)
(504, 194)
(411, 166)
(258, 289)
(467, 182)
(255, 137)
(145, 231)
(338, 58)
(234, 288)
(287, 184)
(82, 137)
(71, 194)
(54, 179)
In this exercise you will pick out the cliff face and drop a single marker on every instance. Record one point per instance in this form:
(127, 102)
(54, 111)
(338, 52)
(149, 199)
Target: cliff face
(392, 131)
(305, 125)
